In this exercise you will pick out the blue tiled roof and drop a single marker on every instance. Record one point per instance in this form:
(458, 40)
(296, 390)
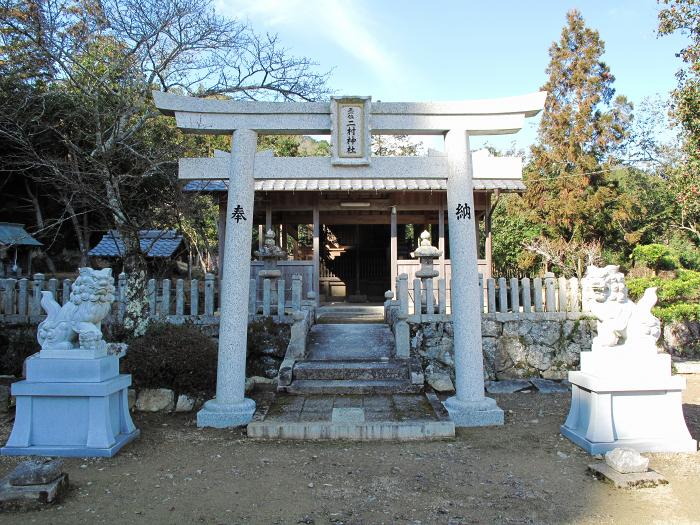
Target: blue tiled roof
(206, 185)
(157, 243)
(14, 234)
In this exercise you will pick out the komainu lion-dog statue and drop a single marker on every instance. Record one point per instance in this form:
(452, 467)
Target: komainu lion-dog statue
(76, 324)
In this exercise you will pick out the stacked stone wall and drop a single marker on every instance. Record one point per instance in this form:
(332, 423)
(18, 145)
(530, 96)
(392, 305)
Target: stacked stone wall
(514, 345)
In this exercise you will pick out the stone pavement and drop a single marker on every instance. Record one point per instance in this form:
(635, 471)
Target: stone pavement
(349, 341)
(353, 417)
(348, 313)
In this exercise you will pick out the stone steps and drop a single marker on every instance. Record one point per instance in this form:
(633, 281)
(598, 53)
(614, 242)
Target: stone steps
(351, 386)
(351, 370)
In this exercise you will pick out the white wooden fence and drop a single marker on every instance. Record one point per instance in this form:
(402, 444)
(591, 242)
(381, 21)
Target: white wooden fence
(173, 300)
(541, 294)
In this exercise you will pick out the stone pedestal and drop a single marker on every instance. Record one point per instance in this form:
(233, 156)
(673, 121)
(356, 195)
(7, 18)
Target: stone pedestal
(71, 407)
(624, 397)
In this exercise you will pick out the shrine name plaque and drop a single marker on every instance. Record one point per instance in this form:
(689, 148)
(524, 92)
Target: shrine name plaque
(350, 133)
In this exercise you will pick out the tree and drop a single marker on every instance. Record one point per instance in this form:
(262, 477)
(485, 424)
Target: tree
(90, 128)
(683, 16)
(395, 146)
(582, 127)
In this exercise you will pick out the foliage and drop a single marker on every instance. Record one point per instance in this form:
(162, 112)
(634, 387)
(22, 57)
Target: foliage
(679, 296)
(16, 345)
(582, 127)
(83, 124)
(567, 258)
(396, 146)
(683, 16)
(655, 256)
(510, 228)
(179, 357)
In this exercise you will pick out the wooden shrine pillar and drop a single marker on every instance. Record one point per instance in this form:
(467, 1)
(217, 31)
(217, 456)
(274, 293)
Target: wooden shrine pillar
(394, 249)
(317, 253)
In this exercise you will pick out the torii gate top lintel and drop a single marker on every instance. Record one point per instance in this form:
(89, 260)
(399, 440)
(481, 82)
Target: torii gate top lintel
(477, 117)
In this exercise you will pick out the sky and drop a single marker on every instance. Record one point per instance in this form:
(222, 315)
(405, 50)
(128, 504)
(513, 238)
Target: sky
(413, 50)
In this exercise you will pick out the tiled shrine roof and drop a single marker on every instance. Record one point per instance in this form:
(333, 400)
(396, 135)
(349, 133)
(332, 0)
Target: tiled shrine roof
(14, 234)
(156, 243)
(514, 185)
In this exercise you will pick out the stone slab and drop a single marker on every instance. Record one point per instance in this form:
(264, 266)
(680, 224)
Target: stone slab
(349, 341)
(661, 444)
(399, 417)
(687, 367)
(507, 387)
(36, 472)
(347, 415)
(72, 451)
(637, 480)
(43, 370)
(32, 495)
(547, 386)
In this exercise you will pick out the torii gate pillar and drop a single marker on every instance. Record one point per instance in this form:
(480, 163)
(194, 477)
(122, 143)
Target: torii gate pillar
(231, 408)
(469, 407)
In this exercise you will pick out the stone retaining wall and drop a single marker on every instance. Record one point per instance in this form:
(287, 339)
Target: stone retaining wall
(514, 345)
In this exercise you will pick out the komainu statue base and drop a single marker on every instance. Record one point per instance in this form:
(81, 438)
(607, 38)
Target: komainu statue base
(624, 398)
(74, 402)
(71, 407)
(625, 395)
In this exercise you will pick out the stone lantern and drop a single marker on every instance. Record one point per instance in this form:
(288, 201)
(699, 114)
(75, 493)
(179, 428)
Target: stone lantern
(427, 253)
(270, 253)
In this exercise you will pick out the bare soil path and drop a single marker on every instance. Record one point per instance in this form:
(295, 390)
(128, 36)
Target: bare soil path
(524, 472)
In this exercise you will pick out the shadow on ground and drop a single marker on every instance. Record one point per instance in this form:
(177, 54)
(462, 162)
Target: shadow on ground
(523, 472)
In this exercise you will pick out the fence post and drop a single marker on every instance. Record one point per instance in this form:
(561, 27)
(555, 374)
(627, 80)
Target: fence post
(417, 299)
(491, 291)
(502, 295)
(9, 297)
(537, 285)
(194, 297)
(209, 294)
(267, 297)
(573, 295)
(252, 297)
(429, 297)
(403, 293)
(442, 296)
(280, 299)
(527, 301)
(65, 294)
(296, 292)
(121, 296)
(563, 306)
(179, 297)
(550, 292)
(481, 292)
(514, 295)
(151, 289)
(52, 287)
(165, 299)
(37, 287)
(23, 297)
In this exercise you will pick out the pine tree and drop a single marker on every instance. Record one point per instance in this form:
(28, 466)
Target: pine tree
(582, 125)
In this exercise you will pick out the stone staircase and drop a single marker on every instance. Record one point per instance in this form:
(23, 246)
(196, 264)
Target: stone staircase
(353, 359)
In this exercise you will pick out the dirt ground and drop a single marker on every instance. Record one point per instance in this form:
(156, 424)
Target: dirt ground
(524, 472)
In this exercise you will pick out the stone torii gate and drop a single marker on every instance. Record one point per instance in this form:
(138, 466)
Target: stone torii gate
(351, 121)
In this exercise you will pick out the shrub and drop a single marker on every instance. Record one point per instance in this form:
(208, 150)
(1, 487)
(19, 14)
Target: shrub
(678, 297)
(655, 256)
(15, 346)
(179, 357)
(267, 344)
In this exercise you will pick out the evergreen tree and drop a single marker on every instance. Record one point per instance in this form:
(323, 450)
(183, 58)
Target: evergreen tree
(683, 16)
(582, 126)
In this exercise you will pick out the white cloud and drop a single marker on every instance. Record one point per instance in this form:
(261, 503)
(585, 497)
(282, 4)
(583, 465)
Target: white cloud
(342, 23)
